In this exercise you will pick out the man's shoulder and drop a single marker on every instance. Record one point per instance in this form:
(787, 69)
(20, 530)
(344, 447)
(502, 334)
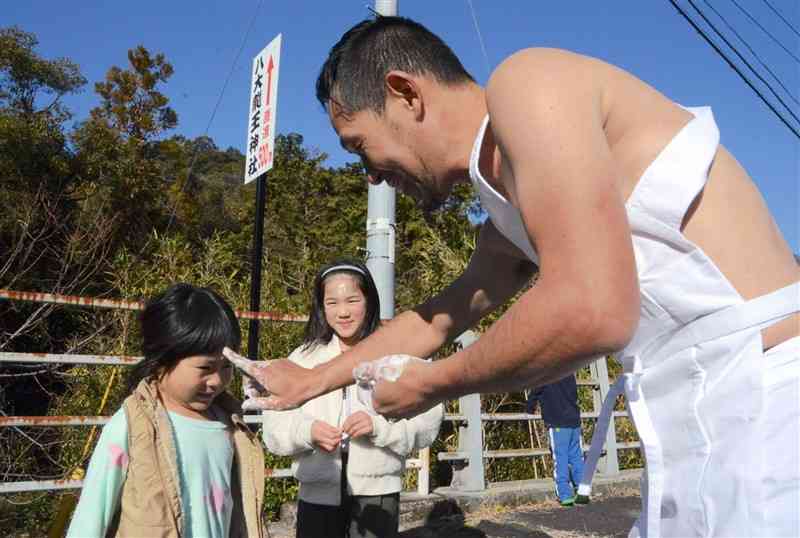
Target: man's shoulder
(549, 79)
(540, 62)
(542, 54)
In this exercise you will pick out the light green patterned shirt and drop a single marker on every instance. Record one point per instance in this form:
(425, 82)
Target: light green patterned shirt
(205, 462)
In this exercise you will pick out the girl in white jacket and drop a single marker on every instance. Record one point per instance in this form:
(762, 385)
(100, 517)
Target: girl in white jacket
(349, 463)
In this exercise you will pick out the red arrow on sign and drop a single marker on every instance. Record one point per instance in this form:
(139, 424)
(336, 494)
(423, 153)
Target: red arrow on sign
(270, 67)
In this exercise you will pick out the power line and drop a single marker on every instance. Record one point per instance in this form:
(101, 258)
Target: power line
(214, 111)
(754, 21)
(205, 133)
(734, 67)
(742, 58)
(749, 48)
(480, 38)
(778, 13)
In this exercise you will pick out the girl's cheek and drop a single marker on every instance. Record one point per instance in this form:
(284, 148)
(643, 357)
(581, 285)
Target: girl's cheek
(227, 376)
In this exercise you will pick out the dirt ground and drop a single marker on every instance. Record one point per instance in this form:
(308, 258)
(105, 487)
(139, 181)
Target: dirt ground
(606, 517)
(610, 515)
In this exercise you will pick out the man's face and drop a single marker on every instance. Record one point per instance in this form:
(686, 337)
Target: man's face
(390, 150)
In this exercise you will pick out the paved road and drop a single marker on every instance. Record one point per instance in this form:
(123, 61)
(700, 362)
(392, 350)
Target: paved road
(605, 517)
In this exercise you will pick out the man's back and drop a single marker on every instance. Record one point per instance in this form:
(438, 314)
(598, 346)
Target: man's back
(729, 219)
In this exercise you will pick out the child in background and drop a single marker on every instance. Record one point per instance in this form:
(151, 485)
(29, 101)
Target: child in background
(349, 463)
(177, 459)
(562, 416)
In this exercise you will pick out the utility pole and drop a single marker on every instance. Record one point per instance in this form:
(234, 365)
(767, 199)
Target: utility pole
(263, 104)
(381, 220)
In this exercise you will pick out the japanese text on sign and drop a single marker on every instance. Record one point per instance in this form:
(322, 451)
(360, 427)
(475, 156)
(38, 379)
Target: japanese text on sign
(262, 106)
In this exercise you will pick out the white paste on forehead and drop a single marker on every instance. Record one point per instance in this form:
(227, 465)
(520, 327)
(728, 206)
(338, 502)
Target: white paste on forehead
(341, 283)
(343, 286)
(343, 278)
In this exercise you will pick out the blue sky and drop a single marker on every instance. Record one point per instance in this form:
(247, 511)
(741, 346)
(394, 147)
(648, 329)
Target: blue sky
(648, 38)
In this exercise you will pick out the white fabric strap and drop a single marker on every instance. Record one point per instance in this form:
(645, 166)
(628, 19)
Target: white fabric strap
(599, 436)
(688, 156)
(755, 314)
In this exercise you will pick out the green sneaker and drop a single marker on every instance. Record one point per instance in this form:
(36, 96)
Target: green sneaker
(569, 501)
(582, 499)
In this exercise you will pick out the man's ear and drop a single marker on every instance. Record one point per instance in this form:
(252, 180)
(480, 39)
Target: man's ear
(404, 87)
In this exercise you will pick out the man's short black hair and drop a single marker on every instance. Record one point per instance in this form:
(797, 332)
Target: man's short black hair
(353, 74)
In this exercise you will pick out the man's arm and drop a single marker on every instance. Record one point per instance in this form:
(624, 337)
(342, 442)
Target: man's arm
(496, 271)
(546, 113)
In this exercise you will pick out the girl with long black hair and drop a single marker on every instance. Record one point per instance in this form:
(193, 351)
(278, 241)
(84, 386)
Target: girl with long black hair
(349, 462)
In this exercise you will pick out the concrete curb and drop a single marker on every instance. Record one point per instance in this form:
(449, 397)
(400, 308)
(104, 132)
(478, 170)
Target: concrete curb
(506, 494)
(446, 501)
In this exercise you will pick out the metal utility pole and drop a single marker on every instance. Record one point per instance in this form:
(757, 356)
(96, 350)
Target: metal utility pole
(381, 220)
(255, 266)
(263, 104)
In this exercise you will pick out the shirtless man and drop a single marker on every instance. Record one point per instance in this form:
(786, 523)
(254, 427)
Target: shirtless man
(650, 241)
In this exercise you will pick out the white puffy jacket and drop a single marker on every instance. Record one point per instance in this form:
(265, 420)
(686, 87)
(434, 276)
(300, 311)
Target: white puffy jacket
(375, 464)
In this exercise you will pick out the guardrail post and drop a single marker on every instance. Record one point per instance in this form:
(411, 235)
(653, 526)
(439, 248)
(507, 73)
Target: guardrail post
(608, 464)
(470, 436)
(424, 472)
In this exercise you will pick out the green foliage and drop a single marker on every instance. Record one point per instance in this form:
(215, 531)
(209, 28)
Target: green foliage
(131, 104)
(114, 208)
(47, 239)
(25, 77)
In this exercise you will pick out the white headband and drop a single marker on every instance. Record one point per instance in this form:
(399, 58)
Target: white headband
(344, 267)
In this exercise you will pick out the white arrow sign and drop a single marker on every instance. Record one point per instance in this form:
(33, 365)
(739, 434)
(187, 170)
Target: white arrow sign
(263, 105)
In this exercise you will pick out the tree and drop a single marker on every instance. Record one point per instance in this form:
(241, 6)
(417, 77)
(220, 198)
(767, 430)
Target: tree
(48, 242)
(118, 148)
(26, 77)
(131, 104)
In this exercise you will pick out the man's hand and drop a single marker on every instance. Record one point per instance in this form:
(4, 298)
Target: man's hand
(410, 395)
(325, 436)
(275, 385)
(358, 424)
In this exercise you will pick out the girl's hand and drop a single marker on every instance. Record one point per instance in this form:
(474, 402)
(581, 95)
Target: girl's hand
(358, 424)
(325, 436)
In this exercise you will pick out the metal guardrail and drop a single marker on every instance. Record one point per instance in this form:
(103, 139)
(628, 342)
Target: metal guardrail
(121, 304)
(497, 417)
(471, 477)
(53, 358)
(420, 464)
(470, 435)
(470, 443)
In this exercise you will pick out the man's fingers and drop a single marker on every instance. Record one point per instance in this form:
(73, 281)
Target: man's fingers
(269, 403)
(252, 388)
(245, 365)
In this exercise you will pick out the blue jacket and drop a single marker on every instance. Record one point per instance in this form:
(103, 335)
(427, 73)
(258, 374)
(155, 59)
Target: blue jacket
(559, 403)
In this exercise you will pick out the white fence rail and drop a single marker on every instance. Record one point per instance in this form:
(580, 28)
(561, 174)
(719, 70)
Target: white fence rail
(469, 477)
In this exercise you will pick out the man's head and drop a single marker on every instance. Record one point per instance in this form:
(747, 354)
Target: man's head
(377, 85)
